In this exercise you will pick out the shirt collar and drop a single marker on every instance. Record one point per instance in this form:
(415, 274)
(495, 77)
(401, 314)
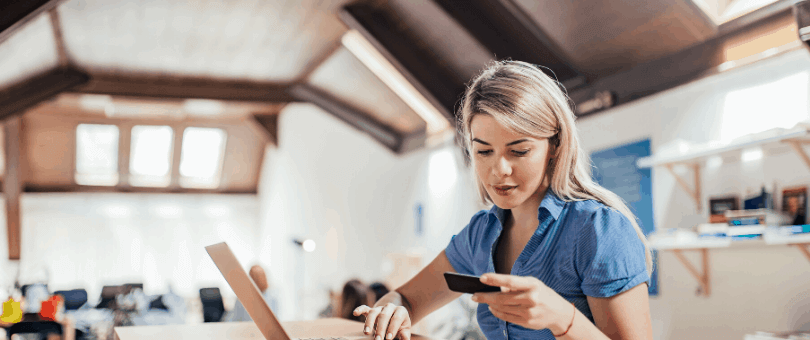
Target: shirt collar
(551, 203)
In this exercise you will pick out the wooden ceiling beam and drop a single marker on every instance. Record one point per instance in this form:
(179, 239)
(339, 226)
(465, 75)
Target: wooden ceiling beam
(25, 94)
(386, 135)
(508, 32)
(437, 83)
(186, 87)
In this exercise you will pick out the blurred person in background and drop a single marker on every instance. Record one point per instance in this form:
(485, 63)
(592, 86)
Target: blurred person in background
(239, 313)
(379, 289)
(354, 294)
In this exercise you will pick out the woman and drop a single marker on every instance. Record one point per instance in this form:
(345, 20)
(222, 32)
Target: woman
(568, 254)
(354, 295)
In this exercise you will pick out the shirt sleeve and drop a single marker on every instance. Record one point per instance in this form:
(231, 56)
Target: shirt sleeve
(460, 249)
(610, 257)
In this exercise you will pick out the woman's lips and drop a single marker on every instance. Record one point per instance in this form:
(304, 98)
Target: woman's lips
(504, 190)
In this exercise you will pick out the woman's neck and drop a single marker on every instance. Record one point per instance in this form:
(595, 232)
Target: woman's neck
(525, 215)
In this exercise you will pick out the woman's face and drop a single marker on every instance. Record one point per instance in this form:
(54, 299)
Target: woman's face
(510, 166)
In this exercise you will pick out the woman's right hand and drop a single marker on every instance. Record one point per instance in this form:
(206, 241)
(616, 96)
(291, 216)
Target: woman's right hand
(386, 322)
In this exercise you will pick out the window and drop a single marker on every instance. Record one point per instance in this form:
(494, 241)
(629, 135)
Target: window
(150, 161)
(201, 157)
(777, 104)
(96, 154)
(721, 11)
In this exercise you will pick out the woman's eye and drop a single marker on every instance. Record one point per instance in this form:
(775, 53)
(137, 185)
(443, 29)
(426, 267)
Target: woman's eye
(484, 152)
(520, 153)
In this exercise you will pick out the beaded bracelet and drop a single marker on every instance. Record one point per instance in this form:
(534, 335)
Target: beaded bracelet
(569, 325)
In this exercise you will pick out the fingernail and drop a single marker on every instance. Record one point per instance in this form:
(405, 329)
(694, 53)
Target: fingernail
(377, 338)
(389, 336)
(484, 279)
(367, 330)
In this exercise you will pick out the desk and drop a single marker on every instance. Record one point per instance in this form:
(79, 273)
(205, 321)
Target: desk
(68, 331)
(247, 330)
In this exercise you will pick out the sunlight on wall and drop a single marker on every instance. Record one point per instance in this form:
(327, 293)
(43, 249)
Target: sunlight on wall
(442, 172)
(778, 104)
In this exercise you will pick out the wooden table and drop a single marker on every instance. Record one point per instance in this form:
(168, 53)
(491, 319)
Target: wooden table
(332, 327)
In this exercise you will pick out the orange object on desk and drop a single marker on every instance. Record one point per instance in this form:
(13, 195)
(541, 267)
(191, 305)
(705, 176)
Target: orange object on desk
(50, 308)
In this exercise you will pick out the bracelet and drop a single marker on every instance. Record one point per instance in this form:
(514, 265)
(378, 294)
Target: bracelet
(570, 324)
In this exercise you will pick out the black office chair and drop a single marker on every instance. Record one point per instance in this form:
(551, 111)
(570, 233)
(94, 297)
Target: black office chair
(73, 298)
(43, 328)
(213, 308)
(108, 294)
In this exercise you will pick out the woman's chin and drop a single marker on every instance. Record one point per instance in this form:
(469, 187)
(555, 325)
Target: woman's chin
(503, 202)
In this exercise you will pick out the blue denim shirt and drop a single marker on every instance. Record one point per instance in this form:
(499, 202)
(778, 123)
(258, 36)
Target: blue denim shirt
(580, 248)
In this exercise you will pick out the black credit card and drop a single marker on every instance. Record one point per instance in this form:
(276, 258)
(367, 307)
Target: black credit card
(467, 283)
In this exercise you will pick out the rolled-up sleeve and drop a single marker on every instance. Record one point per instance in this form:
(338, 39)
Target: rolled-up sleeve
(610, 257)
(460, 249)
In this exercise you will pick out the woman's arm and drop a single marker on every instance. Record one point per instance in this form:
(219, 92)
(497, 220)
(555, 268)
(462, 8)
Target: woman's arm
(623, 316)
(528, 302)
(423, 294)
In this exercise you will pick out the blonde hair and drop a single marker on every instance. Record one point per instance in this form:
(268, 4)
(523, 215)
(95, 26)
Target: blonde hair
(522, 98)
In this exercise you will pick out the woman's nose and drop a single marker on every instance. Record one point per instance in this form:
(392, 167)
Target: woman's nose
(502, 167)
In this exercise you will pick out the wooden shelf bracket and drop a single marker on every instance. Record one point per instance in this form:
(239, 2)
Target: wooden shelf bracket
(701, 276)
(695, 193)
(797, 146)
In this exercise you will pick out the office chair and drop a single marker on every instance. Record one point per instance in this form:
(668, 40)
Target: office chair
(213, 308)
(73, 298)
(108, 294)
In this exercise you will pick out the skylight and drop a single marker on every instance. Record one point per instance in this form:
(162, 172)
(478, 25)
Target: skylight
(96, 154)
(151, 156)
(721, 11)
(201, 157)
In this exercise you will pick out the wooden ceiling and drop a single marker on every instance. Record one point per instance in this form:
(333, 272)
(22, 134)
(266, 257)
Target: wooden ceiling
(289, 50)
(151, 62)
(248, 39)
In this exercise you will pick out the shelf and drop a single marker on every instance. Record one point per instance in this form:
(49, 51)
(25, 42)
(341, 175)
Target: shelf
(771, 142)
(680, 243)
(771, 139)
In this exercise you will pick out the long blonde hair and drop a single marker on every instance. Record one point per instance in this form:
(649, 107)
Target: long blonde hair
(522, 98)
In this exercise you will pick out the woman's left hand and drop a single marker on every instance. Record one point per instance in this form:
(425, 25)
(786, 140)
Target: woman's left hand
(526, 301)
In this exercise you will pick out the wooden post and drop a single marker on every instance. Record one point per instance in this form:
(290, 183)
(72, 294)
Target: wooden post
(12, 184)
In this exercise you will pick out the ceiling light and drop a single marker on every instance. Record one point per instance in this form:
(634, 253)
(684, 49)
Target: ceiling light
(383, 69)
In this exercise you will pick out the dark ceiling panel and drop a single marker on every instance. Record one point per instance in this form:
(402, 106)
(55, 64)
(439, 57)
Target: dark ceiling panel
(605, 36)
(396, 42)
(12, 12)
(675, 69)
(510, 34)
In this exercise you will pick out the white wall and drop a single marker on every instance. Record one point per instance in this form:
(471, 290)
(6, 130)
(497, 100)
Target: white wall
(356, 199)
(88, 240)
(756, 288)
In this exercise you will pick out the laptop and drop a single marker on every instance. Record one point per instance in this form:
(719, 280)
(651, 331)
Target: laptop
(249, 294)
